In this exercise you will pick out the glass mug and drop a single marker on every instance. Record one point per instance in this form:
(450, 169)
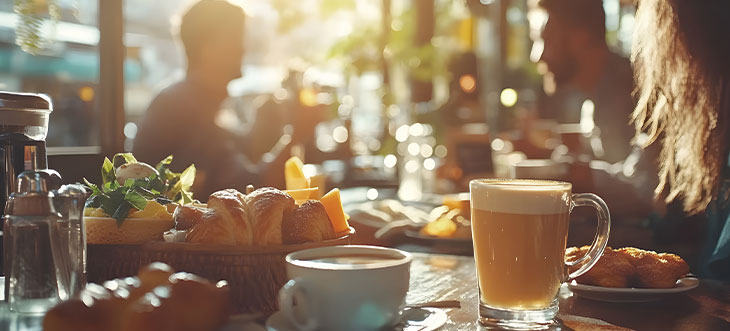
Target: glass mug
(520, 231)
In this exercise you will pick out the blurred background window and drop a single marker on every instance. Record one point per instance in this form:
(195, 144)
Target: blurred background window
(66, 67)
(357, 58)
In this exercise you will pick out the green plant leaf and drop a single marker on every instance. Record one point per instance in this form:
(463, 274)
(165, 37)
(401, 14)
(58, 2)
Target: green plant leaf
(163, 165)
(135, 199)
(107, 172)
(110, 203)
(182, 186)
(121, 212)
(187, 178)
(123, 158)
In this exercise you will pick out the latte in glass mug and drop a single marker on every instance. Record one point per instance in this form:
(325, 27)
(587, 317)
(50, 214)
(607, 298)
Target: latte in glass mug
(520, 231)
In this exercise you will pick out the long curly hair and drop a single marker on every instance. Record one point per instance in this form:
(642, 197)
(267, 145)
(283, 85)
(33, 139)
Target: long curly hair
(681, 59)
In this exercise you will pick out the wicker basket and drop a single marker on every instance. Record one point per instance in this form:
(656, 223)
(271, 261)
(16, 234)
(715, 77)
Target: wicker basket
(254, 274)
(106, 261)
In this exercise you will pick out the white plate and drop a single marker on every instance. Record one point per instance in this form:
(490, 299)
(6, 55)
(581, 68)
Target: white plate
(421, 319)
(611, 294)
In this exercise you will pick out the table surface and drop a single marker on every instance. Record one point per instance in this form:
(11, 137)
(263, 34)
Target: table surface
(437, 277)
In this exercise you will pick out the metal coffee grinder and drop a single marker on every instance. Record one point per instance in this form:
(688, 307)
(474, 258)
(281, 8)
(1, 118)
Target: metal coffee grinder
(23, 130)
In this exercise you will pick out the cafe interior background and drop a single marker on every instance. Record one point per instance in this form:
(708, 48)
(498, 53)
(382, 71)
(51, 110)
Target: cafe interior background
(415, 97)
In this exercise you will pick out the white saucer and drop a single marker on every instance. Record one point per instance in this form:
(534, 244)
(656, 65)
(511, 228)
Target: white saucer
(421, 319)
(610, 294)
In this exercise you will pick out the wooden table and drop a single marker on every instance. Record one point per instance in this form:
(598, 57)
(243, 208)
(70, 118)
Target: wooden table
(436, 277)
(446, 277)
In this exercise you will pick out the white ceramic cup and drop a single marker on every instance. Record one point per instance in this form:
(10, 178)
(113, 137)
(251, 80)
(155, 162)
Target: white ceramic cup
(342, 296)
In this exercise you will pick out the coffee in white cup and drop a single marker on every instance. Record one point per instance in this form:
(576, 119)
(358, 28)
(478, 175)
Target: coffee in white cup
(345, 287)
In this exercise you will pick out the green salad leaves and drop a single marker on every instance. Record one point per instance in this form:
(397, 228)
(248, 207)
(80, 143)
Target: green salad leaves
(164, 186)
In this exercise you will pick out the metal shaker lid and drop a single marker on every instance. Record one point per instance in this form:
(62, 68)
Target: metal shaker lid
(72, 190)
(24, 109)
(33, 197)
(32, 182)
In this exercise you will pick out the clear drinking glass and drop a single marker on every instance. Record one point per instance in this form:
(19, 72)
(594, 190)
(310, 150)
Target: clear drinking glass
(520, 231)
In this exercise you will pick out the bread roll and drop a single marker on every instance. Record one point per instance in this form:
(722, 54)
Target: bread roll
(267, 207)
(181, 302)
(307, 223)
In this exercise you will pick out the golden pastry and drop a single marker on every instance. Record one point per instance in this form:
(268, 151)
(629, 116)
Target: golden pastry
(266, 209)
(631, 267)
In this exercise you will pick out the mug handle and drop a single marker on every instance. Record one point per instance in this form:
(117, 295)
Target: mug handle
(600, 240)
(286, 305)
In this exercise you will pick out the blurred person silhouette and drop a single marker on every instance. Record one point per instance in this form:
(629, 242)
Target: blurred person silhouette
(181, 120)
(681, 57)
(581, 67)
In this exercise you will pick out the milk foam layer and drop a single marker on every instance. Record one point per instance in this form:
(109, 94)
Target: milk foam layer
(520, 196)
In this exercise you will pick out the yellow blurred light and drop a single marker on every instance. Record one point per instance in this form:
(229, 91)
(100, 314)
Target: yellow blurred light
(508, 97)
(467, 83)
(86, 93)
(308, 97)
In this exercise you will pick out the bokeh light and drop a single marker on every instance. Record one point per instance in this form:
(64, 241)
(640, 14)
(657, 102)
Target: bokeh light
(467, 83)
(414, 149)
(440, 151)
(390, 160)
(429, 164)
(372, 194)
(412, 166)
(416, 129)
(401, 134)
(508, 97)
(426, 150)
(340, 134)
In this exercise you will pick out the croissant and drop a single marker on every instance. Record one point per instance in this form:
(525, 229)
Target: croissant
(226, 222)
(266, 216)
(267, 207)
(307, 223)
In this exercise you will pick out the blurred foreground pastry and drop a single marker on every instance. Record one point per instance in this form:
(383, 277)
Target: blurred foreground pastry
(631, 267)
(156, 300)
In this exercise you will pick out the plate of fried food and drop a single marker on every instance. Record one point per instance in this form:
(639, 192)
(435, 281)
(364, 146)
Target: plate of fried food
(448, 222)
(631, 274)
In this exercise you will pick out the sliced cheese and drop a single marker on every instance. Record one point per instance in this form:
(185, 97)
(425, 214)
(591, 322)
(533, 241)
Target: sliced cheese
(333, 205)
(294, 174)
(304, 193)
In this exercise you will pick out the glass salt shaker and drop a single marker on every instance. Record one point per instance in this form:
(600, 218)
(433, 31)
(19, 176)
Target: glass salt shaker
(36, 263)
